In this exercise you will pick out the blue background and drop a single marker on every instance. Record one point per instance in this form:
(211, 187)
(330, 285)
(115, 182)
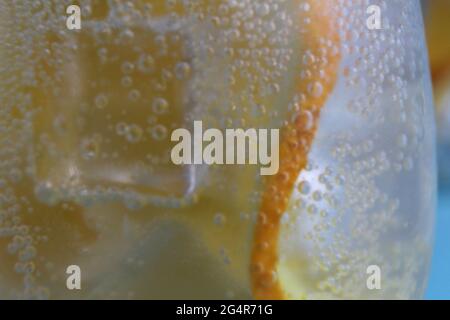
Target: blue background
(439, 281)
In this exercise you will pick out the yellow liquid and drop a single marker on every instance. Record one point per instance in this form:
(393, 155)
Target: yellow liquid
(99, 190)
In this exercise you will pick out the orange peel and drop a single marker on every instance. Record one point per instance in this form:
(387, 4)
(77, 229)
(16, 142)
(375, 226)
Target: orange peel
(321, 52)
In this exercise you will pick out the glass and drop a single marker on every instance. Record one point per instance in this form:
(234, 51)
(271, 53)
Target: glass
(86, 176)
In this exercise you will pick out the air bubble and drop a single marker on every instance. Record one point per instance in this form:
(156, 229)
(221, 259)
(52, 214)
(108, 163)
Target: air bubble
(219, 219)
(304, 187)
(90, 148)
(315, 89)
(101, 101)
(159, 132)
(146, 63)
(134, 133)
(160, 106)
(182, 70)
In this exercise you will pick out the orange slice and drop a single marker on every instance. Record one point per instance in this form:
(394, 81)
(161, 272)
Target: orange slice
(321, 59)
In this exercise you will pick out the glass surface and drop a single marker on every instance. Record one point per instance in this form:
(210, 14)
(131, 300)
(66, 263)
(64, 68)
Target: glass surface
(86, 176)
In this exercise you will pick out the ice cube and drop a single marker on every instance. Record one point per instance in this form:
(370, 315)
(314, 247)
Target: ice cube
(107, 99)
